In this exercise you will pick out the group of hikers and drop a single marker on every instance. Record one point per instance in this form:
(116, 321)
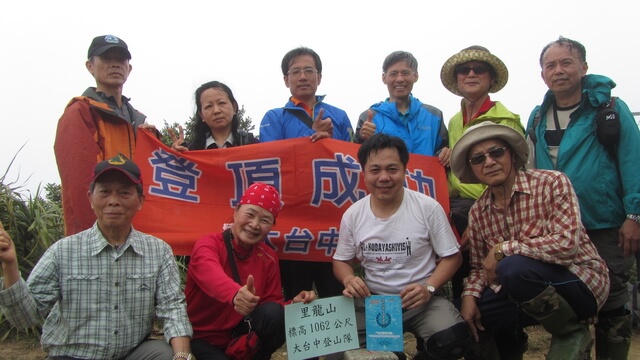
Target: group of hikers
(543, 229)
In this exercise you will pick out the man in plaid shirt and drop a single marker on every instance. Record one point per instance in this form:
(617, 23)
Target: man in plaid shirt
(531, 259)
(96, 293)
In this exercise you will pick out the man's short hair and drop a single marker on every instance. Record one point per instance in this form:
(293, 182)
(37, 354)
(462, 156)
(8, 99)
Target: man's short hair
(297, 52)
(382, 141)
(398, 56)
(569, 44)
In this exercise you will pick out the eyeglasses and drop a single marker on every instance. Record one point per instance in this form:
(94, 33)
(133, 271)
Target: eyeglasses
(496, 153)
(297, 72)
(478, 69)
(395, 74)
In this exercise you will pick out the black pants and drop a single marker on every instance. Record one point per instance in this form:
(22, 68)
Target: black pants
(267, 320)
(299, 275)
(523, 279)
(459, 208)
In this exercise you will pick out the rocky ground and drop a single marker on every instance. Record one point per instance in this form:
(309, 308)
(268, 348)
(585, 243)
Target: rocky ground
(29, 349)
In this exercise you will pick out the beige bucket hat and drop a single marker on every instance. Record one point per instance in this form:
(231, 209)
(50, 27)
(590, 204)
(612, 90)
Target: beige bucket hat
(473, 53)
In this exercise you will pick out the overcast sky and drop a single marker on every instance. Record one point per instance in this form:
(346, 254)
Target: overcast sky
(178, 45)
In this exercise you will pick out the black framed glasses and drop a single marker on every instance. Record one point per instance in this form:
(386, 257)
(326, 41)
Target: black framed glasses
(466, 69)
(496, 153)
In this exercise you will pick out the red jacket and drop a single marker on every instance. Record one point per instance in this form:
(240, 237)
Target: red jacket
(89, 131)
(210, 286)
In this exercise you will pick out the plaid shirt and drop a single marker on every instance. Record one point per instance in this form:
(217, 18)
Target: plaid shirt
(97, 302)
(542, 221)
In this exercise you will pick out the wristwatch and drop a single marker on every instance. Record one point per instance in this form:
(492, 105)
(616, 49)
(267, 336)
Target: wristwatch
(183, 355)
(498, 253)
(634, 217)
(430, 288)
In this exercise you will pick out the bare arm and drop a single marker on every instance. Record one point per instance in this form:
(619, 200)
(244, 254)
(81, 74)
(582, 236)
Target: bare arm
(416, 294)
(354, 286)
(181, 344)
(445, 270)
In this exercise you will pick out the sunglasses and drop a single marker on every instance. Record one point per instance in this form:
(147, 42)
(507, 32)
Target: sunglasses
(478, 69)
(496, 153)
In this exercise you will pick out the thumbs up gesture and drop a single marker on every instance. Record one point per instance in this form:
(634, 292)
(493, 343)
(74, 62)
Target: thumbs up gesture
(246, 300)
(368, 127)
(323, 127)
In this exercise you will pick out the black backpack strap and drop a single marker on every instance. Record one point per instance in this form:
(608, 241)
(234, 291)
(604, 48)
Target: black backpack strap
(607, 124)
(234, 268)
(302, 115)
(532, 131)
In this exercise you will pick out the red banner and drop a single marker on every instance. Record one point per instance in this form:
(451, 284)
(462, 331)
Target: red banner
(194, 193)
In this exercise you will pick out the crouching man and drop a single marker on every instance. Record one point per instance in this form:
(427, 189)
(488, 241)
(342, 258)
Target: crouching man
(96, 293)
(531, 259)
(393, 215)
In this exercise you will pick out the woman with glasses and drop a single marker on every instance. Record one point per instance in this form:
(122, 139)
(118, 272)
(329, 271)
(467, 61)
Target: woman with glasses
(216, 122)
(472, 73)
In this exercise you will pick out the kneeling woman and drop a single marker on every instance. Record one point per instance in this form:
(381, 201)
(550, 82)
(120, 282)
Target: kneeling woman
(217, 305)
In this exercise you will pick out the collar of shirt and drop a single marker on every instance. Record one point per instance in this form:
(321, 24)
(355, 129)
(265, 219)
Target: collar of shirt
(210, 143)
(97, 241)
(123, 111)
(303, 105)
(486, 105)
(111, 100)
(521, 185)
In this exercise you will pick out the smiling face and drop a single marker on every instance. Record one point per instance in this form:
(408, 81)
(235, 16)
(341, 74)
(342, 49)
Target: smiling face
(474, 85)
(115, 201)
(111, 69)
(399, 79)
(492, 171)
(217, 109)
(384, 176)
(562, 71)
(251, 224)
(303, 84)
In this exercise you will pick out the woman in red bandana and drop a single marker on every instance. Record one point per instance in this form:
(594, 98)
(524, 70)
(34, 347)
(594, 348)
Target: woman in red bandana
(216, 303)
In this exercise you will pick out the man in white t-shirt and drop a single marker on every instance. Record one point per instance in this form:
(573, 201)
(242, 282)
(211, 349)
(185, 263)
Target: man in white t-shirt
(396, 234)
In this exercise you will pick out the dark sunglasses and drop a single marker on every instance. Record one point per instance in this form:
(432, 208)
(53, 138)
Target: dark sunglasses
(496, 153)
(478, 69)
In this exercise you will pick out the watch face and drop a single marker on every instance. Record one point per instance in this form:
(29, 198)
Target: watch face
(431, 289)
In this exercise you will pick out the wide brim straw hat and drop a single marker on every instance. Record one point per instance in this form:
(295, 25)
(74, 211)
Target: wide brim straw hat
(473, 53)
(484, 131)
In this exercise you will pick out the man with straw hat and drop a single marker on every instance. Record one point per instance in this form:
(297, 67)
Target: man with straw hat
(472, 73)
(531, 259)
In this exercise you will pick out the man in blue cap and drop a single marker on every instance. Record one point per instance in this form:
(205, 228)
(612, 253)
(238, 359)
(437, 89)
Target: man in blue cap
(97, 293)
(95, 126)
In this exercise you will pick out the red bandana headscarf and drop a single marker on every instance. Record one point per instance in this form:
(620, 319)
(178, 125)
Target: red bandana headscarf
(264, 196)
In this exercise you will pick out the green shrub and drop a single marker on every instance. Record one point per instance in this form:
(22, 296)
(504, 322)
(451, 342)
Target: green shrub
(34, 224)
